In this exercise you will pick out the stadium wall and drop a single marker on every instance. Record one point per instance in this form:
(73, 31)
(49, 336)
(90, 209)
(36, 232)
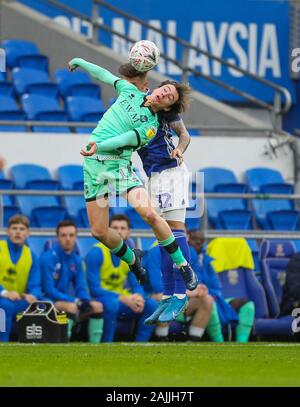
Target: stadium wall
(236, 153)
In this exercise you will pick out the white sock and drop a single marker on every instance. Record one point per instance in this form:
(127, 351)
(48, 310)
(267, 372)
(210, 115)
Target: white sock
(196, 331)
(180, 296)
(183, 264)
(161, 331)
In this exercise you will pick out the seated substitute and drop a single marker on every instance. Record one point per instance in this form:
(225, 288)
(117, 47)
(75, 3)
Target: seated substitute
(20, 282)
(226, 311)
(64, 282)
(111, 282)
(200, 303)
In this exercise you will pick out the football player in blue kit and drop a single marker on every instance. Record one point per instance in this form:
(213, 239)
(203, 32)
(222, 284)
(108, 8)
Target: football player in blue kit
(169, 184)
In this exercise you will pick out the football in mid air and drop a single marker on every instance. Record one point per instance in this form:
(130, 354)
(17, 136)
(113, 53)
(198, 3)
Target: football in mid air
(144, 55)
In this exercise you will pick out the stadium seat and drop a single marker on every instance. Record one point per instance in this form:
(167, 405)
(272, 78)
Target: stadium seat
(10, 111)
(6, 88)
(37, 244)
(7, 200)
(71, 177)
(147, 242)
(242, 283)
(32, 81)
(252, 243)
(267, 180)
(22, 53)
(76, 84)
(8, 212)
(3, 77)
(43, 211)
(44, 108)
(217, 179)
(275, 255)
(85, 244)
(275, 214)
(229, 214)
(32, 176)
(74, 206)
(85, 109)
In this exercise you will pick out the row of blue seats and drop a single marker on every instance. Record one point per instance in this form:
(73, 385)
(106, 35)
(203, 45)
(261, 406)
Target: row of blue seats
(278, 214)
(46, 108)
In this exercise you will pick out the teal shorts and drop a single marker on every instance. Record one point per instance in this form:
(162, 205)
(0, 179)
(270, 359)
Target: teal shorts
(108, 178)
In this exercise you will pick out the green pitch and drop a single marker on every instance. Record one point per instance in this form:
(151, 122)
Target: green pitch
(180, 364)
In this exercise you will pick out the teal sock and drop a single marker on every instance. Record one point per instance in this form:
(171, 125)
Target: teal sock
(124, 253)
(95, 329)
(174, 250)
(214, 328)
(246, 319)
(70, 326)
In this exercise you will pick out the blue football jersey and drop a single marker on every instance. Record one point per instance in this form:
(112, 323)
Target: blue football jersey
(156, 156)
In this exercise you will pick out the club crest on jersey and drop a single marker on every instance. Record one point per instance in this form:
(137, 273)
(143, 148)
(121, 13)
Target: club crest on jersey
(143, 118)
(151, 132)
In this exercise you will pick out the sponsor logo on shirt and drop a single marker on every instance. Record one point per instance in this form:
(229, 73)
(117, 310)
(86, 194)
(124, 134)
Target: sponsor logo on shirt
(151, 132)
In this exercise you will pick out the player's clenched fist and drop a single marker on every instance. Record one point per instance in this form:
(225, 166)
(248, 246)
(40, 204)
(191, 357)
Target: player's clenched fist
(73, 64)
(89, 150)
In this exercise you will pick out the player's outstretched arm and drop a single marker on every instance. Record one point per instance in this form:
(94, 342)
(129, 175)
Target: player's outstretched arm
(101, 74)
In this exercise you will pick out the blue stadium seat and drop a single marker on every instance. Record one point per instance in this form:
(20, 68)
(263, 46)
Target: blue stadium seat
(243, 283)
(38, 107)
(275, 214)
(8, 212)
(275, 255)
(7, 200)
(22, 53)
(71, 176)
(10, 111)
(85, 244)
(32, 176)
(43, 211)
(76, 84)
(217, 179)
(147, 242)
(44, 108)
(32, 81)
(6, 88)
(252, 243)
(229, 214)
(3, 77)
(37, 244)
(85, 109)
(74, 206)
(267, 180)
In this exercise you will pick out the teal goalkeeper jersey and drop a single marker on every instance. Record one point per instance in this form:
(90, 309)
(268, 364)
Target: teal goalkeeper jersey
(127, 125)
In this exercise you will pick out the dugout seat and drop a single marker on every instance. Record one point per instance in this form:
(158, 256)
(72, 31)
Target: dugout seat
(33, 81)
(6, 88)
(243, 283)
(37, 244)
(22, 53)
(275, 255)
(253, 245)
(85, 244)
(70, 177)
(33, 176)
(76, 84)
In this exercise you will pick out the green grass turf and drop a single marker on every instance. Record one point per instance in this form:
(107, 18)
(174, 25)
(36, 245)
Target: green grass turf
(180, 364)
